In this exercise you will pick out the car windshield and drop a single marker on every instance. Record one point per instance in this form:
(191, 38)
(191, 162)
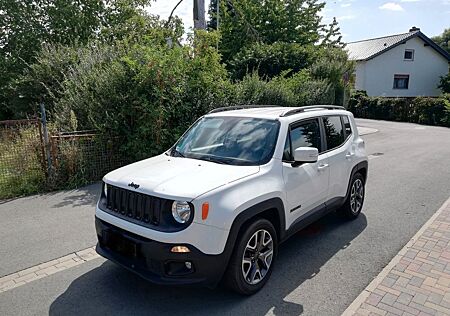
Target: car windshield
(229, 140)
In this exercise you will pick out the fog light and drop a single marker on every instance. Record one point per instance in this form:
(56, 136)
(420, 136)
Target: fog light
(180, 249)
(178, 268)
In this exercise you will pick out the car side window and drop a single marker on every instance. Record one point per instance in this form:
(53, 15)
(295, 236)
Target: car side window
(306, 134)
(334, 131)
(347, 126)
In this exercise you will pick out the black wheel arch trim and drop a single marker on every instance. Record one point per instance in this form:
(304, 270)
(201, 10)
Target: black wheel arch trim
(363, 165)
(249, 213)
(261, 207)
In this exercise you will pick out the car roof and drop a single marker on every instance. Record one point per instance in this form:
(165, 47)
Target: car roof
(277, 112)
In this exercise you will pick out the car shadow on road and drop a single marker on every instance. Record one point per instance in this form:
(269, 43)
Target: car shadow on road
(112, 290)
(85, 196)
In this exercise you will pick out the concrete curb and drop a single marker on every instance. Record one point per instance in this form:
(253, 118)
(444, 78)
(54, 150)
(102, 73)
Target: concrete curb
(11, 281)
(366, 130)
(352, 309)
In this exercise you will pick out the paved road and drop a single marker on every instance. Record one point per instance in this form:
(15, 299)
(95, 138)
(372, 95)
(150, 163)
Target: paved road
(38, 228)
(320, 271)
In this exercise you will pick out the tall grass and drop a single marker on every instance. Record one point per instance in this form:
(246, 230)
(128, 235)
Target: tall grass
(21, 170)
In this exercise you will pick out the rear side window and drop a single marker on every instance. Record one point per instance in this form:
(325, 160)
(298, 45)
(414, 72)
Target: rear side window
(334, 131)
(347, 126)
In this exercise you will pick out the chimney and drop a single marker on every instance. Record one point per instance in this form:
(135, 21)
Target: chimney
(414, 29)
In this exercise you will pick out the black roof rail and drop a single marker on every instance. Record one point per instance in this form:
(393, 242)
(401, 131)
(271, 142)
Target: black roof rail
(239, 107)
(311, 107)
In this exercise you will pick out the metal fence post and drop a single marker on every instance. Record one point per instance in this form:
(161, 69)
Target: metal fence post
(46, 141)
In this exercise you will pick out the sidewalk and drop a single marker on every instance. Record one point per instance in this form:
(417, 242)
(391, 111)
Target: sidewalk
(417, 280)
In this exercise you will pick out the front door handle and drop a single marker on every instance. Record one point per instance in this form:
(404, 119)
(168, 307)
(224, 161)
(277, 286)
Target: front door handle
(322, 166)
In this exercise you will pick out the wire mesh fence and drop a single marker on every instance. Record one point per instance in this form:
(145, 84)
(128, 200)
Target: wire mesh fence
(22, 168)
(83, 157)
(29, 165)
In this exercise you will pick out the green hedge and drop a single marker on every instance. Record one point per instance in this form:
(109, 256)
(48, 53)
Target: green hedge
(422, 110)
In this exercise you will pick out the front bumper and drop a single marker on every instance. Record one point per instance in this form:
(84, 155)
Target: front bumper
(154, 261)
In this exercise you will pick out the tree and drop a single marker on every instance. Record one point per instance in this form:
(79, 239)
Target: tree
(246, 22)
(212, 11)
(269, 60)
(333, 66)
(26, 25)
(333, 35)
(44, 79)
(443, 40)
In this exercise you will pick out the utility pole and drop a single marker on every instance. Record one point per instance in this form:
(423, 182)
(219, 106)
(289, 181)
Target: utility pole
(217, 15)
(199, 15)
(46, 140)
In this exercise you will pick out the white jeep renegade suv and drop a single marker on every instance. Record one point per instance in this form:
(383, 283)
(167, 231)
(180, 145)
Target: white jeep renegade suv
(239, 182)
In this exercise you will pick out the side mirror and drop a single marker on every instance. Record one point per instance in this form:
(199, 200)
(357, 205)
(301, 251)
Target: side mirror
(306, 154)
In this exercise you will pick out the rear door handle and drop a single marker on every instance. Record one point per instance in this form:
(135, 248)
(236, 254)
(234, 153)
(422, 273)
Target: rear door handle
(322, 166)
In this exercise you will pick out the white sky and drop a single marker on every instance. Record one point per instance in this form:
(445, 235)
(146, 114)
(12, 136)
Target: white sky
(358, 19)
(184, 10)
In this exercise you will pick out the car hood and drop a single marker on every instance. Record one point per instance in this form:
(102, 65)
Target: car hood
(174, 177)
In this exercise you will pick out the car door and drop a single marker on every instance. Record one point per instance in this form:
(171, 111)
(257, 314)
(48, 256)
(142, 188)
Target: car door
(306, 185)
(338, 135)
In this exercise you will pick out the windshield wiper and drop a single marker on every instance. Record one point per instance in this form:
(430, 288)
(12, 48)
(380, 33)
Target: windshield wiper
(221, 160)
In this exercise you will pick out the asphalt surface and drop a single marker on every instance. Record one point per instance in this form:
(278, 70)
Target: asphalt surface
(319, 271)
(39, 228)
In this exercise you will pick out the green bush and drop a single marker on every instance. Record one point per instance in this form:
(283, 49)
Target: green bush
(444, 84)
(146, 94)
(430, 111)
(422, 110)
(297, 90)
(322, 65)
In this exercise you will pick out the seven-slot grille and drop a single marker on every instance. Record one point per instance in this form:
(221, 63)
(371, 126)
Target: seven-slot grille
(134, 206)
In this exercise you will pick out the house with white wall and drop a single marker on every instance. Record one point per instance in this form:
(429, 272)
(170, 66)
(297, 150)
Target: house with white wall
(403, 65)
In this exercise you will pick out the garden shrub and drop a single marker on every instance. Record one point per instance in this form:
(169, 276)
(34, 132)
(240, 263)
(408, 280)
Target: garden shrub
(148, 94)
(297, 90)
(430, 111)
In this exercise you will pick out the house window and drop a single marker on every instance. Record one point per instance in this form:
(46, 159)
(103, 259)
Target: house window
(401, 81)
(409, 54)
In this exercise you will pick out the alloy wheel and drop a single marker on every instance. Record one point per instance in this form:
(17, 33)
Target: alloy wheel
(356, 196)
(257, 257)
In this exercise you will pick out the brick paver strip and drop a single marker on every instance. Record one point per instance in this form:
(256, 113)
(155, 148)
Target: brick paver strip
(45, 269)
(417, 280)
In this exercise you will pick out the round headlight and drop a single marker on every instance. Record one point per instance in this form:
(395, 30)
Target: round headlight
(181, 211)
(105, 189)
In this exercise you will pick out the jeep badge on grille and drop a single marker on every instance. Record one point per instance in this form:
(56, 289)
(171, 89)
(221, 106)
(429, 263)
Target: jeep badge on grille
(133, 185)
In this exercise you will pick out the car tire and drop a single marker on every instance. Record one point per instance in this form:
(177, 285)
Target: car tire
(253, 258)
(354, 203)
